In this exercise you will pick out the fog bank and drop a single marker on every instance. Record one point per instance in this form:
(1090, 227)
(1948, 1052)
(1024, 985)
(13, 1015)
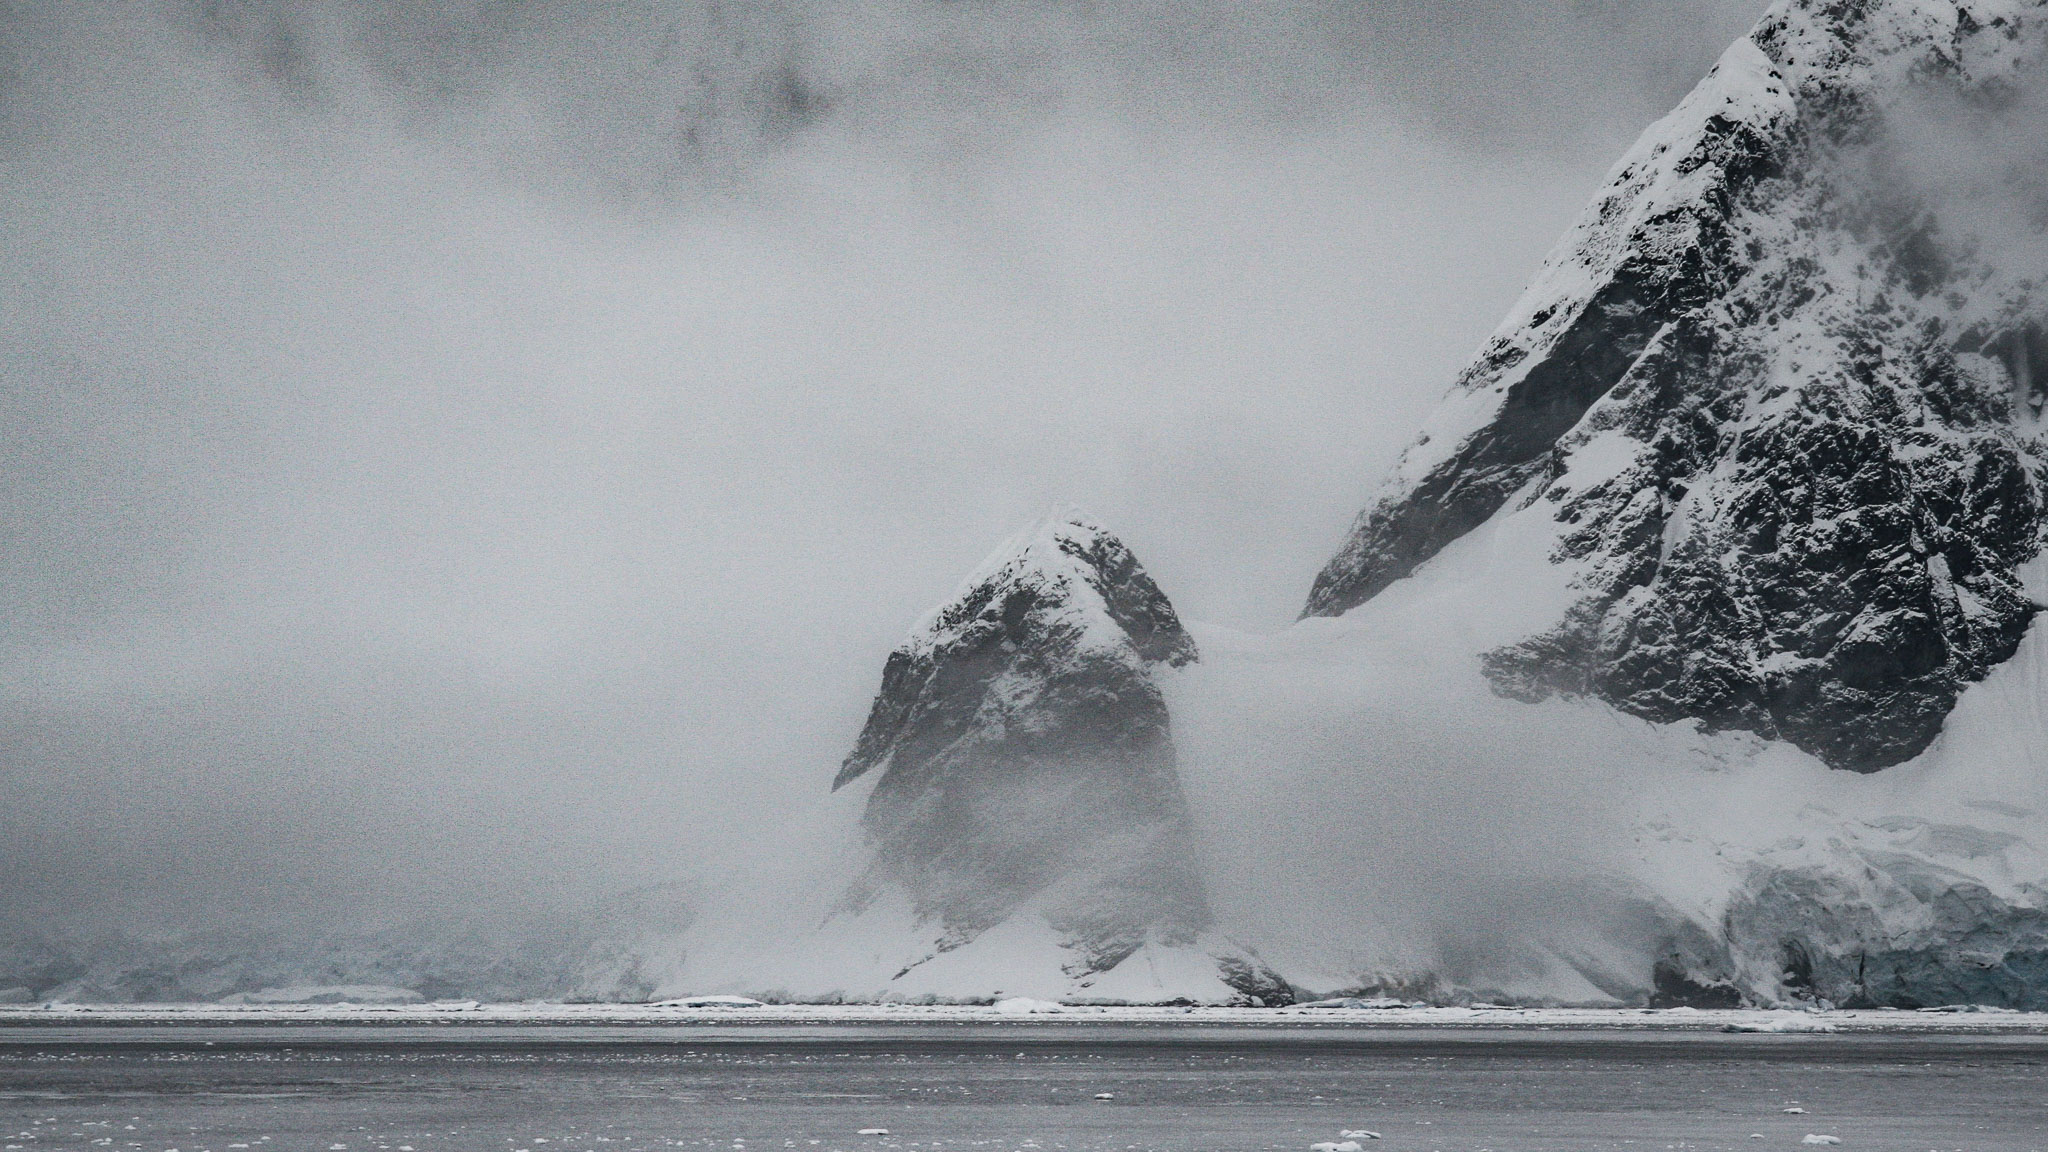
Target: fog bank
(461, 451)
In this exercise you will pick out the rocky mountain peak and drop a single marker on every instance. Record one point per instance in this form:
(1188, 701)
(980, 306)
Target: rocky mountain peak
(1024, 752)
(1775, 395)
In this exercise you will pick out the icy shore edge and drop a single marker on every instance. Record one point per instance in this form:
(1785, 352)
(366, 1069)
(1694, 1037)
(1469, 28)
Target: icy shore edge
(1958, 1020)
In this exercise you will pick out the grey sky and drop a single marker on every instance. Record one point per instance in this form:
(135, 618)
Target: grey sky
(463, 444)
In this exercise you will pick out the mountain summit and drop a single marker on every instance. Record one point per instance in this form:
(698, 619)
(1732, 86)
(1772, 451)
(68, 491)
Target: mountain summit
(1024, 753)
(1777, 388)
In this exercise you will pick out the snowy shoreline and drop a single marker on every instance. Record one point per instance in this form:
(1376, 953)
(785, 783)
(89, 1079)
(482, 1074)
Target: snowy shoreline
(1491, 1018)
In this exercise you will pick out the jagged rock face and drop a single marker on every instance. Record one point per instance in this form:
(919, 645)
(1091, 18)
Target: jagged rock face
(1024, 752)
(1778, 398)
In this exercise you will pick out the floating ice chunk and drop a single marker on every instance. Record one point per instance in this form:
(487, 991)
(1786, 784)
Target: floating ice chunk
(1025, 1006)
(708, 1002)
(1791, 1022)
(1105, 1095)
(1358, 1134)
(872, 1132)
(1795, 1111)
(1813, 1139)
(1334, 1146)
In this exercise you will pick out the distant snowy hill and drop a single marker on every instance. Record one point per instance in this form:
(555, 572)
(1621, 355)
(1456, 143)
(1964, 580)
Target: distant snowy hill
(610, 950)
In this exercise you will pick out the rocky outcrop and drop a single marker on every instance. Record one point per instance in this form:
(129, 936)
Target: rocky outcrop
(1022, 753)
(1777, 396)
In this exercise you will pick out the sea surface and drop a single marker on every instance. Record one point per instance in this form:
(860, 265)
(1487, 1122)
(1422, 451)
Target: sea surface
(1006, 1088)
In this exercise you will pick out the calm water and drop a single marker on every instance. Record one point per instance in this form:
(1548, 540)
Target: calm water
(1026, 1088)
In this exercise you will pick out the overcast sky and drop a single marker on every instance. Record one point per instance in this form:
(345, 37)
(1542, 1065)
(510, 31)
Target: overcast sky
(456, 446)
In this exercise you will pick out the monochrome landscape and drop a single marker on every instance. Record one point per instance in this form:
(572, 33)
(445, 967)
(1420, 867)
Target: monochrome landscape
(439, 574)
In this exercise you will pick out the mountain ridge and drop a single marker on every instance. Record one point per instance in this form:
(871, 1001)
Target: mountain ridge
(1786, 418)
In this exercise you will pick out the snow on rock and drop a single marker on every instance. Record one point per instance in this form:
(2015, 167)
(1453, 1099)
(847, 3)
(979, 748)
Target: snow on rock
(707, 1002)
(1775, 398)
(1023, 754)
(1025, 1006)
(1746, 489)
(1012, 820)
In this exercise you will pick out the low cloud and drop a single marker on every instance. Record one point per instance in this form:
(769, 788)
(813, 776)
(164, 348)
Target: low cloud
(457, 451)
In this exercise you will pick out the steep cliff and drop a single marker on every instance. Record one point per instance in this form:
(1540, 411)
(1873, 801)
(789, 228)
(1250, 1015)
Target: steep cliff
(1776, 388)
(1023, 754)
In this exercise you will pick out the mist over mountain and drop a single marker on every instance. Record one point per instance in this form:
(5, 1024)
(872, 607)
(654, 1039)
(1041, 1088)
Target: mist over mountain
(1756, 461)
(467, 463)
(430, 484)
(1022, 748)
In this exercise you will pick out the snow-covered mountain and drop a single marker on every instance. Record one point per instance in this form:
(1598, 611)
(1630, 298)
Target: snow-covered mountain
(1023, 782)
(1776, 389)
(1746, 489)
(1021, 746)
(1761, 452)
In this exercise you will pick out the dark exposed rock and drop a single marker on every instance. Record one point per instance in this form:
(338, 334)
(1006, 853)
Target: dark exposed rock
(1673, 988)
(1546, 380)
(1024, 754)
(1260, 986)
(1788, 423)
